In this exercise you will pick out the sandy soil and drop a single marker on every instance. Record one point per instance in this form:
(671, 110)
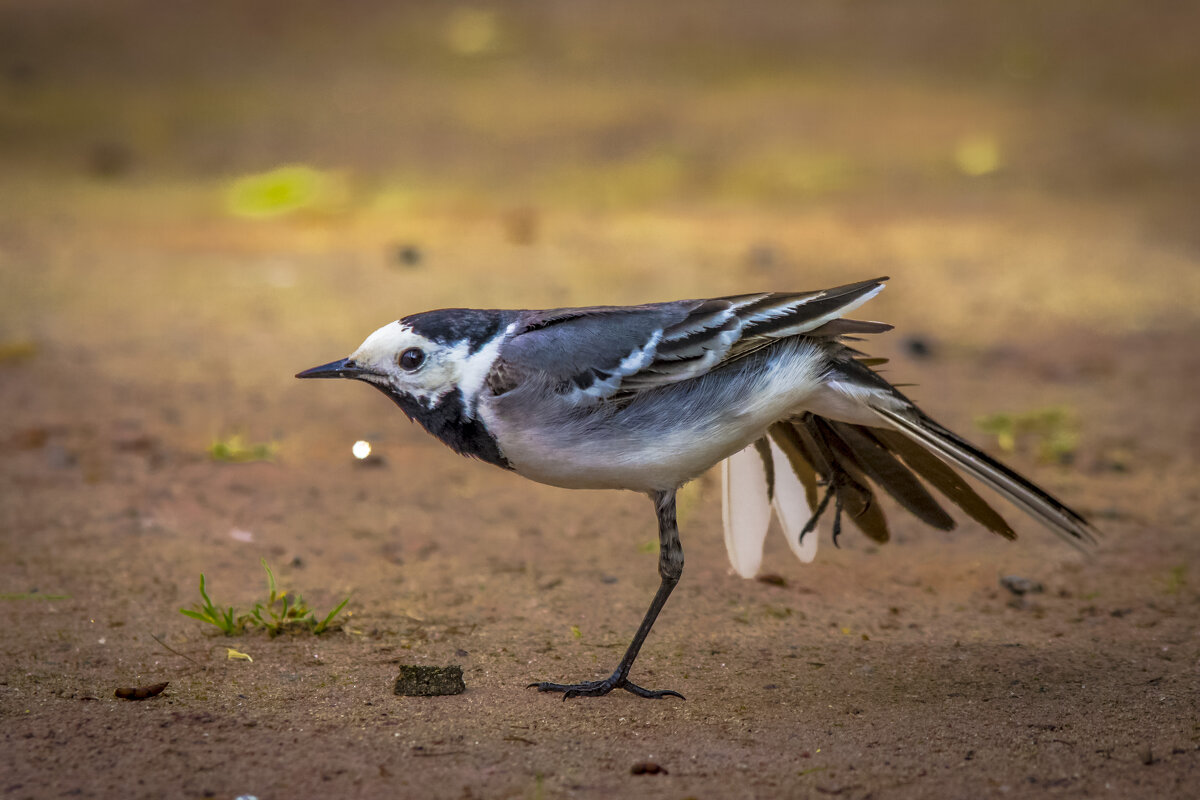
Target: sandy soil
(550, 154)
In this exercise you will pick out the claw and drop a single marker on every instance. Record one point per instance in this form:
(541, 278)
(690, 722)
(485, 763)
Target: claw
(601, 688)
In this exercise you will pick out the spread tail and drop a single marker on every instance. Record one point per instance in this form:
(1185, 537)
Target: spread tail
(808, 462)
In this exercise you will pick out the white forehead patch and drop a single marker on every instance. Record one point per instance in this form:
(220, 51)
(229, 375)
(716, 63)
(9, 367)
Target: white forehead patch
(383, 345)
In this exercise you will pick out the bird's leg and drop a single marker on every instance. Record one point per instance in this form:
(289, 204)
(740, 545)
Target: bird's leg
(670, 567)
(811, 525)
(837, 519)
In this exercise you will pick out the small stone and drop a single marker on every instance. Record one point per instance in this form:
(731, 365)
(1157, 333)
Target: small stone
(58, 457)
(521, 225)
(417, 681)
(109, 159)
(408, 255)
(1021, 586)
(919, 347)
(763, 256)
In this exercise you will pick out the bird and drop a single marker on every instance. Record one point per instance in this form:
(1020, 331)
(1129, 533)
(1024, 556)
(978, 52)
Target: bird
(646, 398)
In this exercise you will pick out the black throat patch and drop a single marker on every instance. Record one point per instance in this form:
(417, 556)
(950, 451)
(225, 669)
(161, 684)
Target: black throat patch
(449, 423)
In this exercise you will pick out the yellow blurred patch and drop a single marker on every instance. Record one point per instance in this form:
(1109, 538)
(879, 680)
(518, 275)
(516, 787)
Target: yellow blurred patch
(236, 449)
(1053, 432)
(17, 350)
(472, 31)
(286, 190)
(977, 155)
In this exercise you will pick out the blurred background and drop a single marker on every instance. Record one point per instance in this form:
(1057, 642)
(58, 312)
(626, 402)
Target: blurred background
(202, 199)
(256, 166)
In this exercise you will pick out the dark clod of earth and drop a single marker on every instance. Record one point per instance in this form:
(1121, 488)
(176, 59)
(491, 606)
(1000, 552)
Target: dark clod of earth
(648, 768)
(141, 692)
(415, 681)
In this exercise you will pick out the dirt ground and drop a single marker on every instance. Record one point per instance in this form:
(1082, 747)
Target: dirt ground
(1028, 174)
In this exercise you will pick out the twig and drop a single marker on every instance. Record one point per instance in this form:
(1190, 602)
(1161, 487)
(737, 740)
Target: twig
(176, 652)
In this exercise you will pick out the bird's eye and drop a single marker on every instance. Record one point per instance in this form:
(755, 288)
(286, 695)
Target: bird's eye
(411, 359)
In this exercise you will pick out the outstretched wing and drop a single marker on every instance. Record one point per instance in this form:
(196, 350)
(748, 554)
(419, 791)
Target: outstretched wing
(594, 354)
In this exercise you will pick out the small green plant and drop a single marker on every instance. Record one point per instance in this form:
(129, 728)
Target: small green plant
(1053, 431)
(281, 612)
(238, 450)
(223, 618)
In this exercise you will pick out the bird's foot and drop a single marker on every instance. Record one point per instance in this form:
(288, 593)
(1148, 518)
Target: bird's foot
(601, 688)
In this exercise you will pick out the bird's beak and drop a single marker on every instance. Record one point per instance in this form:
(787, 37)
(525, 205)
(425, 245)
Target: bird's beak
(345, 368)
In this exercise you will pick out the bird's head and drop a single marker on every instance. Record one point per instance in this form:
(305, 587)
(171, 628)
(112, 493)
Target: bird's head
(420, 360)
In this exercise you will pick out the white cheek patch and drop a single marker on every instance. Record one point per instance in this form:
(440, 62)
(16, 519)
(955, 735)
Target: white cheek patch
(446, 368)
(433, 381)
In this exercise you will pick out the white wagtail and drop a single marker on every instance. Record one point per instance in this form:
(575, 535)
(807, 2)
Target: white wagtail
(649, 397)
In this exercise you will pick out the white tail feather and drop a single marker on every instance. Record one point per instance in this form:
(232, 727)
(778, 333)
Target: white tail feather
(791, 507)
(746, 510)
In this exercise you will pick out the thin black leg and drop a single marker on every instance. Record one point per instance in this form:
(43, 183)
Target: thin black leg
(670, 567)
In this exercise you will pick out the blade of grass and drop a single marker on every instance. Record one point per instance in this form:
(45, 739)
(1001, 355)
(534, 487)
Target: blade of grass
(323, 624)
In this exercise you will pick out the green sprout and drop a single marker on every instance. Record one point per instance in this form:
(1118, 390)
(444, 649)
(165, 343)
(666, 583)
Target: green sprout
(223, 618)
(281, 613)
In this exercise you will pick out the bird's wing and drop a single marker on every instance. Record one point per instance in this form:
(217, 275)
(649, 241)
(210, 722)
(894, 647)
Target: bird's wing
(594, 354)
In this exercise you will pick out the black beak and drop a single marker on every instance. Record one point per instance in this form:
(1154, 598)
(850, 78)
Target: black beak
(345, 368)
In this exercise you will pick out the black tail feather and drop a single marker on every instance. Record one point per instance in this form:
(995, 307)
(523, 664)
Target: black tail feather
(944, 479)
(851, 459)
(1019, 490)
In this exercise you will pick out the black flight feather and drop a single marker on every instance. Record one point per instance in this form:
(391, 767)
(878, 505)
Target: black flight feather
(890, 475)
(944, 479)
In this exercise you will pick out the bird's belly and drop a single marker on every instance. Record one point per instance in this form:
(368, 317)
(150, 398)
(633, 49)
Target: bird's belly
(662, 439)
(621, 460)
